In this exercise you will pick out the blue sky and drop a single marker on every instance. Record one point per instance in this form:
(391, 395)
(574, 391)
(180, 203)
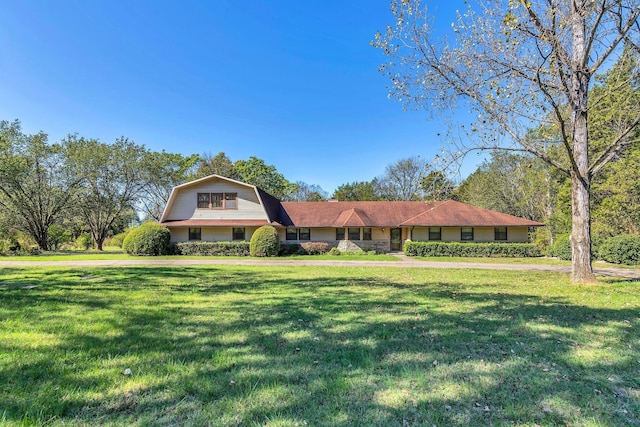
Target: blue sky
(292, 82)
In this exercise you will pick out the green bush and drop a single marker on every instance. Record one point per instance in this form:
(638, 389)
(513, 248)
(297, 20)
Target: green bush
(57, 236)
(213, 248)
(84, 241)
(118, 239)
(315, 248)
(621, 250)
(290, 249)
(335, 252)
(561, 248)
(457, 249)
(264, 242)
(150, 238)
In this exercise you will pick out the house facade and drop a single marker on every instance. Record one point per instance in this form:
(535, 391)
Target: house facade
(216, 208)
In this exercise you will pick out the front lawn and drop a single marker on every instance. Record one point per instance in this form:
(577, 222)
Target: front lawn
(286, 346)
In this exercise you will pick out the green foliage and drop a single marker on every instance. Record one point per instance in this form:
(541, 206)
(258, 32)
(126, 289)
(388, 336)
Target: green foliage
(118, 239)
(621, 250)
(561, 248)
(57, 235)
(266, 177)
(457, 249)
(335, 252)
(290, 249)
(150, 238)
(84, 241)
(357, 191)
(315, 248)
(264, 242)
(213, 248)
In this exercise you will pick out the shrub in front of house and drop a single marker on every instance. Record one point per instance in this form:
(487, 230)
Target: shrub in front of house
(264, 242)
(621, 250)
(315, 248)
(289, 249)
(212, 248)
(477, 250)
(335, 252)
(150, 238)
(560, 248)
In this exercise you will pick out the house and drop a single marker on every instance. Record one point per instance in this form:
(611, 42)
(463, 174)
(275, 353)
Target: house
(216, 208)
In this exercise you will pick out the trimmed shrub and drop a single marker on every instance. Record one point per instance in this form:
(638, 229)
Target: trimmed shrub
(315, 248)
(561, 248)
(84, 241)
(264, 242)
(335, 252)
(457, 249)
(289, 249)
(118, 239)
(150, 238)
(621, 250)
(212, 248)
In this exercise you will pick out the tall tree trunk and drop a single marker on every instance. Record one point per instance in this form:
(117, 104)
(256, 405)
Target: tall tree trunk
(581, 269)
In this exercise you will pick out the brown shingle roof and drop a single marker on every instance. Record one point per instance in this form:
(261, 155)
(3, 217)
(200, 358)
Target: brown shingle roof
(394, 214)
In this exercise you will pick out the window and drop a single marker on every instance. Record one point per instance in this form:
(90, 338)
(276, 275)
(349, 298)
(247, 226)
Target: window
(217, 200)
(339, 233)
(366, 233)
(500, 233)
(435, 233)
(354, 233)
(305, 234)
(292, 233)
(238, 233)
(195, 233)
(230, 201)
(203, 200)
(466, 233)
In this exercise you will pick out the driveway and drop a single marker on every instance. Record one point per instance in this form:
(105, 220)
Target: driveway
(403, 262)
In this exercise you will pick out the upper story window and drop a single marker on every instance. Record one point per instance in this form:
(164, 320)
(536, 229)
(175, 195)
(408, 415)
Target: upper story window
(217, 200)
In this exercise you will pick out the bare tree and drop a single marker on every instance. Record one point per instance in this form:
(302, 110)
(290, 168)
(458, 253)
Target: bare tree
(520, 65)
(403, 179)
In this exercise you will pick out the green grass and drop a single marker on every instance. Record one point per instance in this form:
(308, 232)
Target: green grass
(498, 260)
(284, 346)
(343, 257)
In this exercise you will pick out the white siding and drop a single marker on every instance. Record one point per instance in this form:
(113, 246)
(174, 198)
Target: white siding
(184, 205)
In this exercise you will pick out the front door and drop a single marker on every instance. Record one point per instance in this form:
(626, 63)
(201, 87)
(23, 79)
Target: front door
(396, 239)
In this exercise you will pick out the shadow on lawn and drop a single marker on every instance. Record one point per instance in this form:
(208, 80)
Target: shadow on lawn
(242, 346)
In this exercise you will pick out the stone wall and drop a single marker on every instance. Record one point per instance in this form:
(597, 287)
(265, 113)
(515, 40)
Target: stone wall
(380, 246)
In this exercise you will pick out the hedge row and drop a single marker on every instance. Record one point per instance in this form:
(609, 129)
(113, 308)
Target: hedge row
(457, 249)
(621, 250)
(213, 248)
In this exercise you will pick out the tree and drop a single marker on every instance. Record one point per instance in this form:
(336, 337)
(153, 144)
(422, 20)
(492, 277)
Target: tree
(161, 172)
(36, 184)
(114, 178)
(437, 186)
(521, 65)
(357, 191)
(403, 179)
(308, 193)
(219, 164)
(256, 172)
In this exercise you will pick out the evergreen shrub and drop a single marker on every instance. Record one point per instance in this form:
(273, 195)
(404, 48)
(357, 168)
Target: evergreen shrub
(621, 250)
(264, 242)
(561, 248)
(335, 252)
(212, 248)
(477, 250)
(150, 238)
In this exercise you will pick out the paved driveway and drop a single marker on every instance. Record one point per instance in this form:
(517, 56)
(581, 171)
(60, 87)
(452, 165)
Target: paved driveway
(403, 262)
